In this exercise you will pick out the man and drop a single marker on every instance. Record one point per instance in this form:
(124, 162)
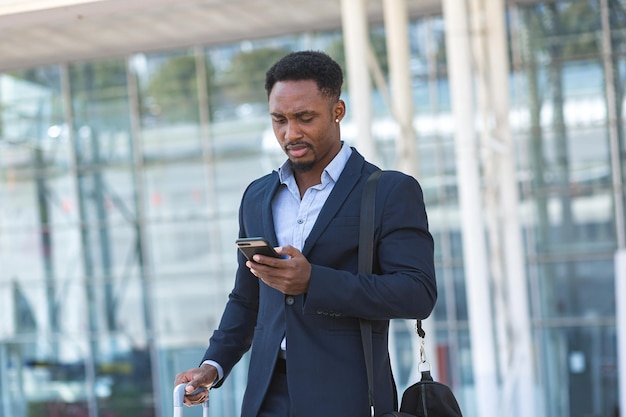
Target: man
(301, 313)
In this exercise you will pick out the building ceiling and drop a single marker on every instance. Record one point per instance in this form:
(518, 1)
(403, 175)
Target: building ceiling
(34, 33)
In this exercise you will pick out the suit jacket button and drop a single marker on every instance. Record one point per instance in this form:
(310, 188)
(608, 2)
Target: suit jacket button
(290, 300)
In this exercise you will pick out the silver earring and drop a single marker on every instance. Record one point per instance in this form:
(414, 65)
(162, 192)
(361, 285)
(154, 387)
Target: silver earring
(337, 120)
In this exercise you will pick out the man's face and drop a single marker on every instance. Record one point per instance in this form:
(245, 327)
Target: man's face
(304, 124)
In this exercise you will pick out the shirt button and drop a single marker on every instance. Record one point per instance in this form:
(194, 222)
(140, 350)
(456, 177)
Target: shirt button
(300, 221)
(289, 300)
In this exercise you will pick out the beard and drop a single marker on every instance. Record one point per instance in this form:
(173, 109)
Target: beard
(301, 166)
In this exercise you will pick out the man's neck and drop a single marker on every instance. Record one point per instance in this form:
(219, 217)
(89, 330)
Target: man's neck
(306, 180)
(312, 177)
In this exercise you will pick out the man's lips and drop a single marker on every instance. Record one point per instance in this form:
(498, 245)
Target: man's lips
(297, 151)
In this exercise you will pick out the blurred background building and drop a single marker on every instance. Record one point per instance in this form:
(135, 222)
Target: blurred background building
(129, 129)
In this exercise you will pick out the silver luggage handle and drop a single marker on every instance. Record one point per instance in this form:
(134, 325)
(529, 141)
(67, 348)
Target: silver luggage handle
(179, 395)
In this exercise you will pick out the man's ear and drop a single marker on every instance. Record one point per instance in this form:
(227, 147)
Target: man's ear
(339, 110)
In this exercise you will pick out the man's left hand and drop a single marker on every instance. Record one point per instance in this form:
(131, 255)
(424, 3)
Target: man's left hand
(288, 275)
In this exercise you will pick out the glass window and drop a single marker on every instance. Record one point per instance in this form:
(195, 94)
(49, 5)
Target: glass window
(561, 30)
(428, 65)
(39, 243)
(617, 21)
(437, 176)
(620, 91)
(123, 376)
(240, 116)
(187, 314)
(463, 371)
(573, 360)
(170, 109)
(177, 191)
(451, 304)
(107, 196)
(576, 288)
(443, 305)
(101, 113)
(405, 354)
(563, 223)
(50, 384)
(32, 129)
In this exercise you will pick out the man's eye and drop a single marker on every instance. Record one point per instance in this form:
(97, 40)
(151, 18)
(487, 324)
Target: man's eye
(279, 121)
(306, 119)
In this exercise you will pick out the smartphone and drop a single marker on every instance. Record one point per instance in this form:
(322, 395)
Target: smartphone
(250, 246)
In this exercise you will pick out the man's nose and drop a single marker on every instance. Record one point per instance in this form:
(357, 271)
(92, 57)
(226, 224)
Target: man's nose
(292, 131)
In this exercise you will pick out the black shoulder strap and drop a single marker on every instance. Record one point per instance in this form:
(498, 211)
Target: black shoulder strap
(366, 255)
(366, 231)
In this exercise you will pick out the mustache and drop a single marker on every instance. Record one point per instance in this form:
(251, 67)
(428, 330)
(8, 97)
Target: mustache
(297, 143)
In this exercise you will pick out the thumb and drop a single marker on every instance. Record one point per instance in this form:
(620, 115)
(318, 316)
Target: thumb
(287, 250)
(191, 386)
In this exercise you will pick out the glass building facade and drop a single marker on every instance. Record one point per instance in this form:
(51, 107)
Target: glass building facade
(120, 182)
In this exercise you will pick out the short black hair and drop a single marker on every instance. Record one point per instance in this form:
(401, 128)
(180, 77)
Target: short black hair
(307, 65)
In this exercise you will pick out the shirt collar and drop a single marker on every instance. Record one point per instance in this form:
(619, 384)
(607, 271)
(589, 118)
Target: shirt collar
(332, 170)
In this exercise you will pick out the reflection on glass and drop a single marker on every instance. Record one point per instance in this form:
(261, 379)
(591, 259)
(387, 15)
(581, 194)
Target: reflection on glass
(579, 358)
(577, 289)
(101, 112)
(169, 111)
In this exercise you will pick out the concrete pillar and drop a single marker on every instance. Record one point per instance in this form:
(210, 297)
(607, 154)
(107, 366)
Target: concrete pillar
(473, 230)
(518, 369)
(398, 53)
(356, 43)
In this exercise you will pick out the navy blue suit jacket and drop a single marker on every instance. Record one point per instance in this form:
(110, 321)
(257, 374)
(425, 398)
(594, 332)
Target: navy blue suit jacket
(325, 362)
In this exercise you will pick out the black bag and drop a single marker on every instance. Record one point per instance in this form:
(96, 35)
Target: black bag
(429, 398)
(426, 398)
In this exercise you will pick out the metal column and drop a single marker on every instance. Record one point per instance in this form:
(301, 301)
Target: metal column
(356, 44)
(473, 230)
(144, 261)
(90, 354)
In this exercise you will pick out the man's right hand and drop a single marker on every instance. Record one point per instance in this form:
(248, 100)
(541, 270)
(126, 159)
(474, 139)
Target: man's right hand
(202, 377)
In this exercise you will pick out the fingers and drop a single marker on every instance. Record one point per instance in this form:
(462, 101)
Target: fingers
(191, 389)
(289, 276)
(184, 377)
(288, 250)
(197, 396)
(198, 381)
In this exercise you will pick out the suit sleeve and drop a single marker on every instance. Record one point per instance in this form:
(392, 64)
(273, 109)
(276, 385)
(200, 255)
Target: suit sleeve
(403, 283)
(233, 337)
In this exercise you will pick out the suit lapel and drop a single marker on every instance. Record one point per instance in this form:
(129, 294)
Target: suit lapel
(347, 180)
(268, 220)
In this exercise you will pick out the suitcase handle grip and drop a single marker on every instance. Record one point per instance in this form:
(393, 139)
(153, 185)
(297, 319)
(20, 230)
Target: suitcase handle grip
(179, 395)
